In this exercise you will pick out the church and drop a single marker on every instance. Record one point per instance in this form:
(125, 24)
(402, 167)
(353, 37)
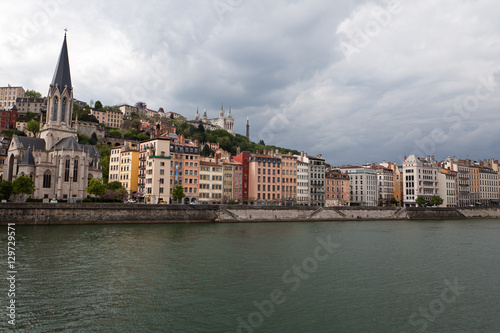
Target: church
(216, 123)
(59, 166)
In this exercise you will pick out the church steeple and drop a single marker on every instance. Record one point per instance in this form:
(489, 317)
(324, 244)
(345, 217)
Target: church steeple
(60, 103)
(62, 76)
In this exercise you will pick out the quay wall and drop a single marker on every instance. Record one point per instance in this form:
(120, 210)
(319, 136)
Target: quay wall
(62, 213)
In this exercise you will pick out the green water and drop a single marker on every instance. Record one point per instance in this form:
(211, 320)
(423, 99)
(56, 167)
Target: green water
(432, 276)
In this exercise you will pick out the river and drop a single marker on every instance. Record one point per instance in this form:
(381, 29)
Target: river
(366, 276)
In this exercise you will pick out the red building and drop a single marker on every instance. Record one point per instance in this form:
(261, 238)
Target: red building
(8, 119)
(244, 159)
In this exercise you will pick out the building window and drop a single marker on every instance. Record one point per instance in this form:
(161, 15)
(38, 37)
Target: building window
(47, 178)
(75, 171)
(66, 170)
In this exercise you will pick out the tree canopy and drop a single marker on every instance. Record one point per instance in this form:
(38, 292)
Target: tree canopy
(33, 126)
(178, 192)
(420, 201)
(436, 200)
(96, 187)
(6, 189)
(23, 185)
(32, 94)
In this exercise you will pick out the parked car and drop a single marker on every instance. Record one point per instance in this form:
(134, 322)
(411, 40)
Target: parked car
(53, 201)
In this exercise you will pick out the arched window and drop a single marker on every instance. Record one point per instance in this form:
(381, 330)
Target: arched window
(66, 169)
(54, 110)
(75, 171)
(47, 179)
(63, 110)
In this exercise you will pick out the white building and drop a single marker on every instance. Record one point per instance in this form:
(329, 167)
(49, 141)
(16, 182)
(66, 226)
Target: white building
(363, 184)
(154, 170)
(489, 183)
(317, 173)
(385, 183)
(302, 179)
(420, 178)
(447, 187)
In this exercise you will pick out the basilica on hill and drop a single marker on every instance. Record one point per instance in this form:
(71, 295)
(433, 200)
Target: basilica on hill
(59, 166)
(223, 122)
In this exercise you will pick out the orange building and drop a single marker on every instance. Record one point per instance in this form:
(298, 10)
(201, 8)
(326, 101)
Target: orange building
(337, 189)
(288, 178)
(264, 179)
(184, 167)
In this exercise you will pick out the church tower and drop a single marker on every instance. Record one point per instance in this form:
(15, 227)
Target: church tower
(221, 112)
(57, 125)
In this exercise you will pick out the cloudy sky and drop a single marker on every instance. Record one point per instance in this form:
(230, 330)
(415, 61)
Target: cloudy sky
(353, 80)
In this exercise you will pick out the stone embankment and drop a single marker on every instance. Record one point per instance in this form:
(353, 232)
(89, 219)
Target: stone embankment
(49, 214)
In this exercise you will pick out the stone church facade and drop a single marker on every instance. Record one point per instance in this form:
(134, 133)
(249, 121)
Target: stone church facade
(225, 123)
(59, 166)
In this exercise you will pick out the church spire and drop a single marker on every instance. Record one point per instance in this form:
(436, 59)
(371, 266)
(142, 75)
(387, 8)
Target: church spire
(62, 76)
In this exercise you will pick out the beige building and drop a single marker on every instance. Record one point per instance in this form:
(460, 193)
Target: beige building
(21, 126)
(110, 118)
(9, 95)
(232, 175)
(211, 182)
(124, 167)
(154, 170)
(33, 105)
(88, 128)
(397, 172)
(127, 110)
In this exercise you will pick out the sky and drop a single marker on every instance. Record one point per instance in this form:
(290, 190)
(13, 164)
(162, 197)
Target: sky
(355, 81)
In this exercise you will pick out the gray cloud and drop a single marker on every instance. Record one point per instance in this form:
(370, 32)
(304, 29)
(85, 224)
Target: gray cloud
(283, 64)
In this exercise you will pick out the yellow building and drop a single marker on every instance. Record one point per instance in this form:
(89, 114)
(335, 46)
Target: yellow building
(124, 167)
(211, 182)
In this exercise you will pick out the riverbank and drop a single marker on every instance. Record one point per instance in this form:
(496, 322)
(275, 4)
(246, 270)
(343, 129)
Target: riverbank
(49, 214)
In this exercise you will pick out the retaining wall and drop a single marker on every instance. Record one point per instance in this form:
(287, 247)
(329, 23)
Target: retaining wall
(61, 213)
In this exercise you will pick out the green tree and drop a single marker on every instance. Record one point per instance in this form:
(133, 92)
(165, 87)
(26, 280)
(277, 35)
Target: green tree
(394, 201)
(98, 105)
(5, 189)
(32, 94)
(114, 186)
(436, 200)
(115, 133)
(105, 152)
(178, 193)
(33, 126)
(420, 201)
(23, 185)
(206, 151)
(83, 139)
(93, 139)
(96, 187)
